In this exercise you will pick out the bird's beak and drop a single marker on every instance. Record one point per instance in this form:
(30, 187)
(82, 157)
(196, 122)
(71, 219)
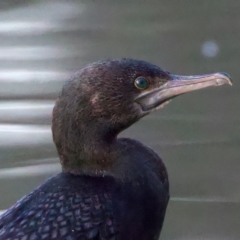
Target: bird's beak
(177, 85)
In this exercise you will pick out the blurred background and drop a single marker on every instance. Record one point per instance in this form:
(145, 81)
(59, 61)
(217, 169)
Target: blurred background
(198, 135)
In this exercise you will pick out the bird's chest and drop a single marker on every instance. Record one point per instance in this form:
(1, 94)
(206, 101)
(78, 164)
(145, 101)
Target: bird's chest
(140, 208)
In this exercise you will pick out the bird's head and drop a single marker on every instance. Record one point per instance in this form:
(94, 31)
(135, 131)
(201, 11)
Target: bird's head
(106, 97)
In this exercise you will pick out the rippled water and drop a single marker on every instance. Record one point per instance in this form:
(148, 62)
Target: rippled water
(197, 135)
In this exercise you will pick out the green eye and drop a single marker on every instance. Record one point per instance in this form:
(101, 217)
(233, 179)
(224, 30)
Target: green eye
(141, 83)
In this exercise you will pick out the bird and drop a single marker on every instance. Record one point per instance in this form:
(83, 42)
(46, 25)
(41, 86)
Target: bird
(110, 188)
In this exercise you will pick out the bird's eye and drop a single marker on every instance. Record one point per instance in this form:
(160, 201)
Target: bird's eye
(141, 83)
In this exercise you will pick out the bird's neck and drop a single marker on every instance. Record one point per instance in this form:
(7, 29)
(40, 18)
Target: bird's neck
(90, 151)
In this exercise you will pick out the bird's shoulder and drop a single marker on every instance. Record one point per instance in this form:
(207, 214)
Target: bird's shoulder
(145, 159)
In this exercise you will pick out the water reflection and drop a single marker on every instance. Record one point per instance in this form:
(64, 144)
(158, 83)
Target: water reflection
(29, 171)
(49, 11)
(21, 28)
(24, 135)
(24, 75)
(26, 111)
(36, 53)
(205, 200)
(210, 49)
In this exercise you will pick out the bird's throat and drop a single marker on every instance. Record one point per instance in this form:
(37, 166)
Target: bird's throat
(91, 155)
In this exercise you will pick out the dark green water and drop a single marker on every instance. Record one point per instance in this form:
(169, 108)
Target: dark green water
(197, 135)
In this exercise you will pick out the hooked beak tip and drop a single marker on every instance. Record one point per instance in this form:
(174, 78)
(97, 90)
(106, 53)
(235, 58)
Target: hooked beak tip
(225, 78)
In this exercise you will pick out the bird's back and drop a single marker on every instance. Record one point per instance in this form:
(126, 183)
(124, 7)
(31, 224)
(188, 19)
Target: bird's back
(69, 207)
(65, 207)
